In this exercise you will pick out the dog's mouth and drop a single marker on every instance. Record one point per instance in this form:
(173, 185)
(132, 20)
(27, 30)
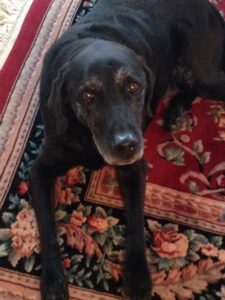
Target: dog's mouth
(120, 162)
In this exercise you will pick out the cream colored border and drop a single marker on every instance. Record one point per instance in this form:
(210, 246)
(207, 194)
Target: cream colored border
(24, 102)
(19, 286)
(166, 203)
(12, 15)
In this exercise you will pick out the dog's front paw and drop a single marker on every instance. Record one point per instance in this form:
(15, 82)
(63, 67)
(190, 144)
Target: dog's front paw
(137, 282)
(54, 285)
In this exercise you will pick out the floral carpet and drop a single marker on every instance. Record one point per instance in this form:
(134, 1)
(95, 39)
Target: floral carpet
(185, 197)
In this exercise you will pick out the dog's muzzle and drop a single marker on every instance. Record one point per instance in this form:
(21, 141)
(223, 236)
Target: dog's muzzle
(125, 148)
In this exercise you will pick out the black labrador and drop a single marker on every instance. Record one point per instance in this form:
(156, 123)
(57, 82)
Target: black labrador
(100, 86)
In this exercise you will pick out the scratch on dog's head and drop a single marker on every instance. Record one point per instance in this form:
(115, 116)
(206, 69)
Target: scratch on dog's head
(121, 75)
(106, 87)
(94, 83)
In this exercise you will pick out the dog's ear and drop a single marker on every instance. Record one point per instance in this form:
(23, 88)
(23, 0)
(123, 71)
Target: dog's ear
(57, 101)
(150, 90)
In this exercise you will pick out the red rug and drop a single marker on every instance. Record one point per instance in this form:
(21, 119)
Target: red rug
(185, 199)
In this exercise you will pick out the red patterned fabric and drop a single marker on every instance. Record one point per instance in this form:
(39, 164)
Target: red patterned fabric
(191, 152)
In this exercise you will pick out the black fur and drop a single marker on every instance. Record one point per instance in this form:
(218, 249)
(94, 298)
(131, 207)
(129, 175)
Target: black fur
(101, 83)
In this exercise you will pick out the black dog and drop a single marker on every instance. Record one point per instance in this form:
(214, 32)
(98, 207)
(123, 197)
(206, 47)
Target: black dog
(100, 86)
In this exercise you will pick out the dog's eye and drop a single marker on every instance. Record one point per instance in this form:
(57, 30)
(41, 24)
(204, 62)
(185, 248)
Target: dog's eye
(88, 97)
(133, 87)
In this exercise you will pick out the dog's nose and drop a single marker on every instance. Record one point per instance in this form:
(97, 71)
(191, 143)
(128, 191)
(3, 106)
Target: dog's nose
(125, 144)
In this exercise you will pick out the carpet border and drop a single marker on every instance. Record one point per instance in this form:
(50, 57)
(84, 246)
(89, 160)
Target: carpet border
(163, 203)
(19, 286)
(22, 108)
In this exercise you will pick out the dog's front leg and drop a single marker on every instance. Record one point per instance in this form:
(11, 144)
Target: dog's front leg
(42, 177)
(136, 274)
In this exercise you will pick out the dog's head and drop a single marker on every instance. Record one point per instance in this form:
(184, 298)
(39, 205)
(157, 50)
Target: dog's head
(108, 89)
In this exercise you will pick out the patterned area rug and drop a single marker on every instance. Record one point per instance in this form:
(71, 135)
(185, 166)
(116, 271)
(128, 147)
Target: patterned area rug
(185, 199)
